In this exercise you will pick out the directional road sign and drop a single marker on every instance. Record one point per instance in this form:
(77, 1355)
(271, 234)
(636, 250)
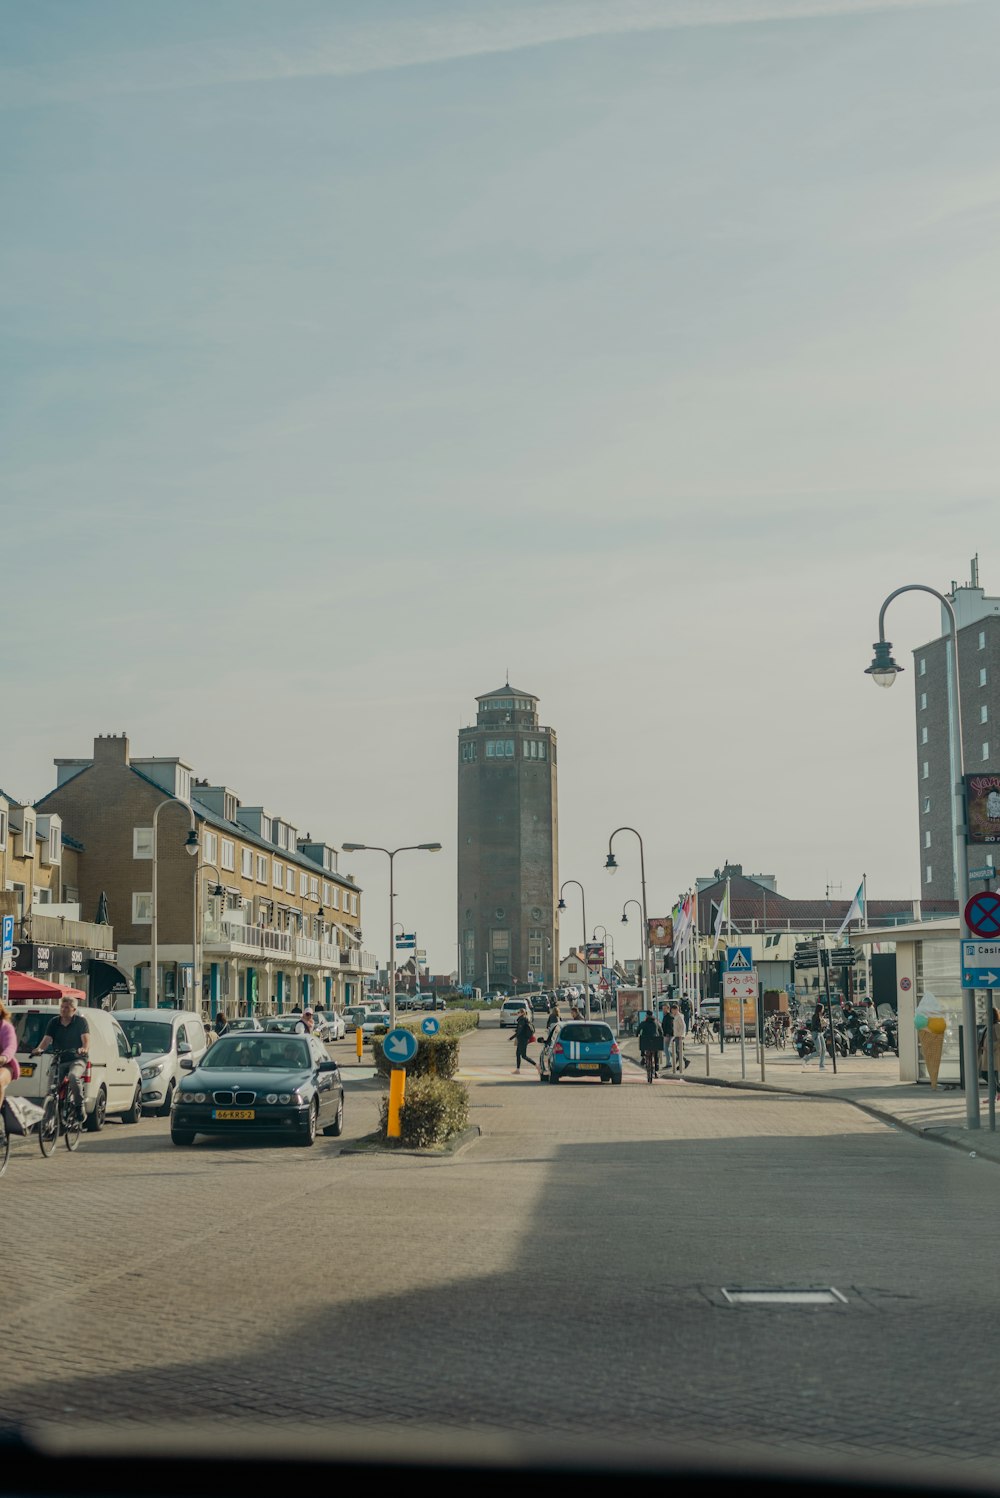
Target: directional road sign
(430, 1025)
(739, 960)
(739, 985)
(981, 964)
(7, 943)
(399, 1046)
(982, 915)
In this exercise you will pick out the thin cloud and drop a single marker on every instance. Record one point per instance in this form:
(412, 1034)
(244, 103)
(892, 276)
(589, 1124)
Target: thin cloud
(345, 48)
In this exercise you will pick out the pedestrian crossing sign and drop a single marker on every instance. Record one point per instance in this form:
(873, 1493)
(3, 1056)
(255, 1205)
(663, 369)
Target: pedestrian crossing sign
(739, 960)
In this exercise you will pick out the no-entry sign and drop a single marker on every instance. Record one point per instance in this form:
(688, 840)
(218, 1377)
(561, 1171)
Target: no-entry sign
(982, 915)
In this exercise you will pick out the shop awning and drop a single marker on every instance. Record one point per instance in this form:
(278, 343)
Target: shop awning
(105, 977)
(22, 986)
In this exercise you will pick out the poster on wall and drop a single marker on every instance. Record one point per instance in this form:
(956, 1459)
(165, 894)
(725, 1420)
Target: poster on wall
(982, 808)
(661, 931)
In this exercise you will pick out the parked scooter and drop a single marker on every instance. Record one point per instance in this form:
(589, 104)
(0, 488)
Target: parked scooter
(865, 1039)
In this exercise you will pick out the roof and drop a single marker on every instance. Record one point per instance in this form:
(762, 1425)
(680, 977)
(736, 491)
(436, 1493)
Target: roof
(507, 691)
(750, 901)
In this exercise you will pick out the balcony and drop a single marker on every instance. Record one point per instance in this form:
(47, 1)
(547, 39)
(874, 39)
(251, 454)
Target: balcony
(235, 939)
(59, 931)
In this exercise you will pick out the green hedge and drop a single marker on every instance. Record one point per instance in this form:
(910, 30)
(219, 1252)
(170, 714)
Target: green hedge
(433, 1111)
(437, 1056)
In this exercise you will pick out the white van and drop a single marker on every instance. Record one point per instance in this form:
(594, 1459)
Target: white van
(165, 1035)
(114, 1086)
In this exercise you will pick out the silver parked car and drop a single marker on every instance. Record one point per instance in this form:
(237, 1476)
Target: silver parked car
(165, 1036)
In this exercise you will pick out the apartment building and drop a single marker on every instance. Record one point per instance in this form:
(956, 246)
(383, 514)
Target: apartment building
(39, 887)
(259, 921)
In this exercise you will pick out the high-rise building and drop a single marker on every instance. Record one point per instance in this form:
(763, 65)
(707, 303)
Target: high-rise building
(978, 619)
(508, 873)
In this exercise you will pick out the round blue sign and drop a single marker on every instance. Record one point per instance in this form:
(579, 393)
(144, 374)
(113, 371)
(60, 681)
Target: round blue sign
(399, 1046)
(430, 1025)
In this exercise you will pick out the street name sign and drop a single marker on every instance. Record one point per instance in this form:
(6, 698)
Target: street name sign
(739, 960)
(986, 872)
(981, 964)
(399, 1046)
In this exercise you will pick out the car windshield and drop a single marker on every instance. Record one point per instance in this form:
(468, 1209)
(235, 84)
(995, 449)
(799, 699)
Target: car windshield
(586, 1034)
(153, 1035)
(258, 1052)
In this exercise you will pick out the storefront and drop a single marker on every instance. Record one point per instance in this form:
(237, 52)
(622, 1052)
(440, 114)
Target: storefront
(928, 958)
(95, 973)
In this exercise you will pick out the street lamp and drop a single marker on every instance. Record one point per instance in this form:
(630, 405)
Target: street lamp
(586, 970)
(611, 864)
(883, 671)
(625, 923)
(609, 941)
(199, 961)
(390, 853)
(191, 844)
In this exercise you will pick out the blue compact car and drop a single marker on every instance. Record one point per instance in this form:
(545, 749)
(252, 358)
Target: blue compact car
(581, 1048)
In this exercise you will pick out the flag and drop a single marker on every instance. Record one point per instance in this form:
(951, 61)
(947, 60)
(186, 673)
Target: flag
(721, 916)
(856, 912)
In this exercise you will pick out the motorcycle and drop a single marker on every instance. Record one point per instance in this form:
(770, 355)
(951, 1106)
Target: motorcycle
(865, 1039)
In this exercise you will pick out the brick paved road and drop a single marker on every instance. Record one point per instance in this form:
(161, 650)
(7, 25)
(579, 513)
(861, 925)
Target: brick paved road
(569, 1262)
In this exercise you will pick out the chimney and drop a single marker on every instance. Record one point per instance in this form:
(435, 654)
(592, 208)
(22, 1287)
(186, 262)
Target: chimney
(975, 570)
(111, 749)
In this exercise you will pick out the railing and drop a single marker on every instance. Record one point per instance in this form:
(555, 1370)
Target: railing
(265, 939)
(57, 931)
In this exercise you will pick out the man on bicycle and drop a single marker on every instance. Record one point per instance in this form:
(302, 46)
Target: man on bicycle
(68, 1035)
(650, 1041)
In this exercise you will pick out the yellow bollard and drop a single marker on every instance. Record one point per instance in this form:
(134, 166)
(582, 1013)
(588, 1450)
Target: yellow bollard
(397, 1096)
(360, 1040)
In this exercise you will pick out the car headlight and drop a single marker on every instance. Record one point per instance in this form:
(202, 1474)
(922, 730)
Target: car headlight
(284, 1097)
(189, 1097)
(152, 1071)
(272, 1097)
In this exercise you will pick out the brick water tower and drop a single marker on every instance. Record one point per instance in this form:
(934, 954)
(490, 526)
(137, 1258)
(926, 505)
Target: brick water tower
(508, 861)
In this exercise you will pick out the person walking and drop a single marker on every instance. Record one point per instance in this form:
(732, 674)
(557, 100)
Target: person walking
(523, 1035)
(679, 1032)
(817, 1029)
(221, 1023)
(667, 1024)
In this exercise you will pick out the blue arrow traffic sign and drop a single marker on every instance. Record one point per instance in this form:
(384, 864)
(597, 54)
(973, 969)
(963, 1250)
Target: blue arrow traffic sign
(430, 1025)
(399, 1046)
(981, 964)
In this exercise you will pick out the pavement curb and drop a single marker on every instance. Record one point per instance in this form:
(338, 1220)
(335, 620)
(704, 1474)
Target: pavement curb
(373, 1144)
(934, 1133)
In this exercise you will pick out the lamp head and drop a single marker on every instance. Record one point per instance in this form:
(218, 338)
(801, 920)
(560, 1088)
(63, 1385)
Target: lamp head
(624, 918)
(562, 904)
(611, 862)
(191, 842)
(883, 669)
(353, 847)
(430, 847)
(218, 892)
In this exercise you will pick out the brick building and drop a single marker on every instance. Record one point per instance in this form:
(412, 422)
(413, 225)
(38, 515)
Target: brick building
(276, 923)
(508, 878)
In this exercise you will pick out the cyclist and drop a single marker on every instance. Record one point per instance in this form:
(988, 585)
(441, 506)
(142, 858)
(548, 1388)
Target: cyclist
(68, 1035)
(651, 1041)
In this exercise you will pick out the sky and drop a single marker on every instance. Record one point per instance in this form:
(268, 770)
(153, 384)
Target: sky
(355, 355)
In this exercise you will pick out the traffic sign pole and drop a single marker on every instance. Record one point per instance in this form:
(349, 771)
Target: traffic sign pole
(397, 1097)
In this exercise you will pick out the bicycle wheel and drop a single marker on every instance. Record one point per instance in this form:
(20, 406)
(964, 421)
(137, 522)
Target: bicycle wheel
(650, 1066)
(4, 1149)
(48, 1129)
(72, 1119)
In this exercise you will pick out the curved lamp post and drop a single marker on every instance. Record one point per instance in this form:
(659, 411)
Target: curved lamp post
(390, 853)
(611, 864)
(199, 960)
(191, 844)
(642, 917)
(609, 943)
(883, 671)
(586, 970)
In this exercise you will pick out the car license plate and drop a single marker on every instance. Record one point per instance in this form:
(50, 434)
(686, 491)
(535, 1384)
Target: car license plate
(28, 1069)
(233, 1113)
(588, 1066)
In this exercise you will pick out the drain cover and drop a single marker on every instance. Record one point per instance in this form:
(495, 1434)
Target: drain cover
(785, 1297)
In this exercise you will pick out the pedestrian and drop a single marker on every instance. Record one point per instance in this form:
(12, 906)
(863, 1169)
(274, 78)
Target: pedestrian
(817, 1029)
(523, 1035)
(552, 1021)
(9, 1069)
(221, 1023)
(984, 1053)
(667, 1025)
(679, 1032)
(309, 1020)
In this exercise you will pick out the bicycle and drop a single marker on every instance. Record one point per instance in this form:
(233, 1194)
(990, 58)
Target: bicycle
(649, 1057)
(62, 1111)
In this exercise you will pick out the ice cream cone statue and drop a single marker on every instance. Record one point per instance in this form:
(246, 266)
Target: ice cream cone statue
(930, 1025)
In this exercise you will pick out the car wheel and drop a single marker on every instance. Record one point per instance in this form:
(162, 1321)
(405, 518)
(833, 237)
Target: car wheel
(553, 1079)
(337, 1127)
(182, 1136)
(164, 1110)
(309, 1137)
(135, 1112)
(616, 1081)
(95, 1120)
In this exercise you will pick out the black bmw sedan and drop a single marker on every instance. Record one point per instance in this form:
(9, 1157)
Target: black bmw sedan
(254, 1084)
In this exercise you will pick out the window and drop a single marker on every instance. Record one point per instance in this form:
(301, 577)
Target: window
(261, 868)
(982, 676)
(923, 740)
(335, 898)
(28, 837)
(277, 874)
(289, 881)
(303, 883)
(928, 872)
(210, 846)
(314, 889)
(923, 701)
(142, 908)
(984, 713)
(468, 751)
(925, 770)
(228, 854)
(354, 904)
(3, 827)
(927, 803)
(142, 842)
(927, 838)
(490, 746)
(922, 666)
(55, 843)
(982, 639)
(246, 863)
(986, 750)
(282, 835)
(326, 893)
(265, 829)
